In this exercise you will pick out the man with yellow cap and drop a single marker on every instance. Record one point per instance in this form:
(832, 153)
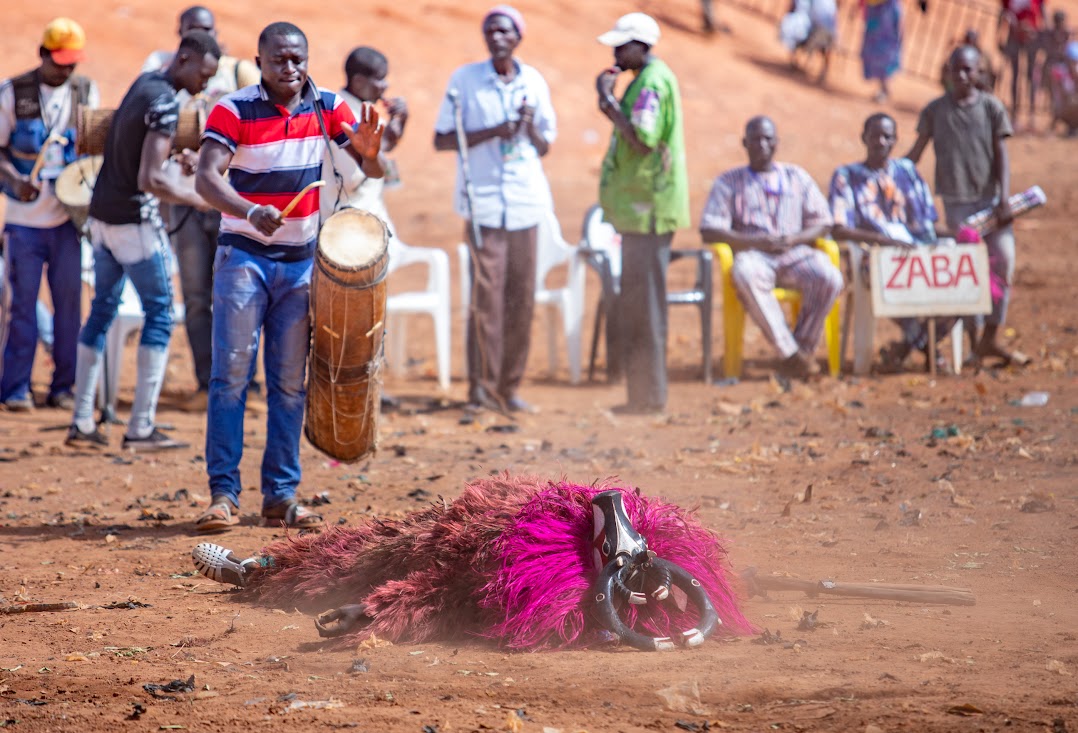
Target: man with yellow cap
(644, 193)
(37, 139)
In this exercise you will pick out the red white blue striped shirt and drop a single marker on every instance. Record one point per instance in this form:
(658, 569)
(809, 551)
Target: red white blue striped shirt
(275, 154)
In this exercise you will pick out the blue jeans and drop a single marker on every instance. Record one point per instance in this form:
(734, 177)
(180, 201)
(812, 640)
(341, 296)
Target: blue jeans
(31, 249)
(135, 251)
(254, 295)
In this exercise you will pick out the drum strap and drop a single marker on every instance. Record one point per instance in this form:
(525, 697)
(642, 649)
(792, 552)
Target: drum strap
(319, 108)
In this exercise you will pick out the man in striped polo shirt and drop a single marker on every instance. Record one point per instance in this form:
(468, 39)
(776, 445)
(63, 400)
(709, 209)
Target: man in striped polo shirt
(269, 140)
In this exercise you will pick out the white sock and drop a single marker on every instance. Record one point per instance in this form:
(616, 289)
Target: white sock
(151, 375)
(87, 369)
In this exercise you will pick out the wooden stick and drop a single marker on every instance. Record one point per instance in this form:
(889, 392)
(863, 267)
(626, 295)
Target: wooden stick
(38, 607)
(932, 347)
(54, 137)
(299, 197)
(942, 594)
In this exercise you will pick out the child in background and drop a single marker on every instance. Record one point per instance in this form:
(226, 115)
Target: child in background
(810, 26)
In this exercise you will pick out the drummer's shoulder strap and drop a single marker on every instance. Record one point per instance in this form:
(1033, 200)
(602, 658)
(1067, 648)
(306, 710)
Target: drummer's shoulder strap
(319, 107)
(27, 95)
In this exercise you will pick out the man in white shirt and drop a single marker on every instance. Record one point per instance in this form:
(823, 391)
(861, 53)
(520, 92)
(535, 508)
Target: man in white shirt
(509, 124)
(37, 139)
(193, 232)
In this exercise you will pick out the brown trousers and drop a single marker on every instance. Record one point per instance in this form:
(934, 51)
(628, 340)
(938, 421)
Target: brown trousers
(500, 317)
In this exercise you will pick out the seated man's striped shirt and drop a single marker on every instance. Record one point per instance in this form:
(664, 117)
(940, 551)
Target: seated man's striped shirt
(274, 155)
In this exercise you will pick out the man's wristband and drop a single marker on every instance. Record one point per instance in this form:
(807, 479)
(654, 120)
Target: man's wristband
(251, 211)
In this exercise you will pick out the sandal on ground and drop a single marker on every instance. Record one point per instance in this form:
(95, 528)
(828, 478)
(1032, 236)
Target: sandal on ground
(1005, 358)
(893, 357)
(217, 518)
(222, 565)
(1020, 359)
(942, 367)
(293, 515)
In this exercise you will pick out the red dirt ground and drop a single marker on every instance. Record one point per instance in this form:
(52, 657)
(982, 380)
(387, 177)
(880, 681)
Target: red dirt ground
(997, 504)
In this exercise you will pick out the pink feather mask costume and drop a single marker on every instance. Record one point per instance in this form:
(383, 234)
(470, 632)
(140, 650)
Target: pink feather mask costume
(523, 562)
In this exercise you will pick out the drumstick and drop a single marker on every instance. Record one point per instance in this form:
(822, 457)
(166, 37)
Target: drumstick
(54, 137)
(299, 197)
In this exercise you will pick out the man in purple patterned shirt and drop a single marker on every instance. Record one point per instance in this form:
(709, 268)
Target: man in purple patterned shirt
(885, 201)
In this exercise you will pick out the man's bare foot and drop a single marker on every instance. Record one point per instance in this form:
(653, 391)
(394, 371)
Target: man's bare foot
(799, 366)
(993, 350)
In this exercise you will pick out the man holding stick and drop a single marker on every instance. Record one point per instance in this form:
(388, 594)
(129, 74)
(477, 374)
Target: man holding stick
(130, 240)
(508, 124)
(270, 139)
(37, 139)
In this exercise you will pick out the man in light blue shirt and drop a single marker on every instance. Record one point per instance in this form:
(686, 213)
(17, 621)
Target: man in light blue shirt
(509, 124)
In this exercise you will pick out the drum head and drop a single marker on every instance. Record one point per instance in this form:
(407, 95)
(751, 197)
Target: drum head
(75, 184)
(353, 239)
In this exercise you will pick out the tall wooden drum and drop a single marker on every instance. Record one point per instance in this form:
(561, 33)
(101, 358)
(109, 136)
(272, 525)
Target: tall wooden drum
(348, 309)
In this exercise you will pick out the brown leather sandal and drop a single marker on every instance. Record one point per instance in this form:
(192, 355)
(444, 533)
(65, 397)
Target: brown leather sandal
(218, 517)
(290, 513)
(893, 357)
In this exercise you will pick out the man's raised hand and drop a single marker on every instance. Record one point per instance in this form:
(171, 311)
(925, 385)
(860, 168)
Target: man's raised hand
(366, 137)
(397, 107)
(604, 83)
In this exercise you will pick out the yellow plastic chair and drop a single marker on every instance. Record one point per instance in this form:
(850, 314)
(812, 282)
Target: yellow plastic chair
(733, 312)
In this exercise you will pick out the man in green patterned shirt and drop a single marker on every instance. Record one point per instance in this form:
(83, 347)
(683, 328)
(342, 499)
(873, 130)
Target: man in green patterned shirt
(644, 193)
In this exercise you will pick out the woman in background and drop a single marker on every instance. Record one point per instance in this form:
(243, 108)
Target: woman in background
(881, 50)
(882, 46)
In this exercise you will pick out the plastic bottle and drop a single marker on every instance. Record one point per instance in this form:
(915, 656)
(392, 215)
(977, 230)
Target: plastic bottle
(1034, 399)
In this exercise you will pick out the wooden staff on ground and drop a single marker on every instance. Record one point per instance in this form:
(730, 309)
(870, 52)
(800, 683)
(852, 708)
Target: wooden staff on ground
(757, 584)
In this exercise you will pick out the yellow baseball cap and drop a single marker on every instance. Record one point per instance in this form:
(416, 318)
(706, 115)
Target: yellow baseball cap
(65, 40)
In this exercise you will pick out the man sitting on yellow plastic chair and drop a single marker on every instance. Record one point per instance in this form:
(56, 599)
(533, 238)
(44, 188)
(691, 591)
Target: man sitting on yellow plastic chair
(771, 214)
(884, 201)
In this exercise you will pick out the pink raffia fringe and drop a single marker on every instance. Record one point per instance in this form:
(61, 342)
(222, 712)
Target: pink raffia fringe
(509, 560)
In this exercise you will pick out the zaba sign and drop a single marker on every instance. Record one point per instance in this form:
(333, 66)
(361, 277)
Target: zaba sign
(930, 281)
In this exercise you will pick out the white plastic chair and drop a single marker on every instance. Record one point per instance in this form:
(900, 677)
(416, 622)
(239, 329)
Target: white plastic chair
(566, 302)
(864, 321)
(432, 301)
